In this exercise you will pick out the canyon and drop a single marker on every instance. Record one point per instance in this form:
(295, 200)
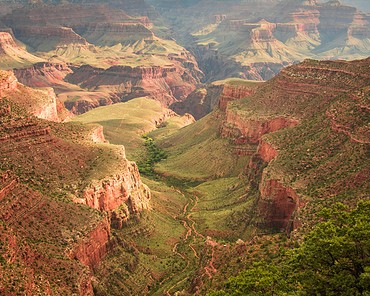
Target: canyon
(159, 147)
(251, 43)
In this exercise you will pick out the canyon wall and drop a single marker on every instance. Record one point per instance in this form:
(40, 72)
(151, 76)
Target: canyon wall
(46, 165)
(278, 203)
(164, 84)
(40, 103)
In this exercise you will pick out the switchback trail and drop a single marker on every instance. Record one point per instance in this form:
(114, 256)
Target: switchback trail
(187, 247)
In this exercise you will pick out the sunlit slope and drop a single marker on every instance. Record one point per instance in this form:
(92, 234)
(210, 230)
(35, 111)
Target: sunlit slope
(126, 123)
(198, 152)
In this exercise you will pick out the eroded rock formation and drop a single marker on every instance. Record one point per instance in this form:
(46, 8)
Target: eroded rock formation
(57, 242)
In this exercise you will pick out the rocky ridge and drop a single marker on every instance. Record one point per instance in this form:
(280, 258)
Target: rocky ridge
(39, 177)
(291, 104)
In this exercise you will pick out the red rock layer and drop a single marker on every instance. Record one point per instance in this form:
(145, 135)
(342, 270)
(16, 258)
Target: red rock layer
(251, 130)
(40, 103)
(164, 84)
(43, 74)
(61, 36)
(121, 189)
(278, 205)
(234, 92)
(266, 151)
(8, 83)
(94, 246)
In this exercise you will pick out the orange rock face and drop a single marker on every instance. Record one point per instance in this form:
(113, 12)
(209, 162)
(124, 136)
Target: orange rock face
(112, 193)
(40, 103)
(164, 84)
(234, 92)
(251, 130)
(94, 246)
(8, 83)
(43, 74)
(266, 151)
(278, 205)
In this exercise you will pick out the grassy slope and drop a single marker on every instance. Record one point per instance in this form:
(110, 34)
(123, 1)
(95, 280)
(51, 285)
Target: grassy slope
(197, 152)
(125, 123)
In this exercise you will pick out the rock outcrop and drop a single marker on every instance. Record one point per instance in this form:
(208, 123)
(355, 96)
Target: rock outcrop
(164, 84)
(46, 165)
(41, 103)
(8, 83)
(109, 194)
(94, 246)
(43, 75)
(252, 130)
(235, 91)
(278, 205)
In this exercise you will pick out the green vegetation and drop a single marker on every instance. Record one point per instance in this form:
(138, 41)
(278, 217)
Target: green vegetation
(154, 155)
(197, 152)
(125, 123)
(333, 259)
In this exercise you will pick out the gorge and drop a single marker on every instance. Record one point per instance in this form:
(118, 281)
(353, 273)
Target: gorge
(161, 147)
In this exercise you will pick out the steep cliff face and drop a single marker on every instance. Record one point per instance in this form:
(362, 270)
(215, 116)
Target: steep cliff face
(109, 194)
(278, 206)
(49, 38)
(200, 102)
(299, 162)
(94, 246)
(43, 75)
(252, 130)
(217, 94)
(60, 163)
(301, 124)
(235, 91)
(41, 103)
(12, 55)
(165, 84)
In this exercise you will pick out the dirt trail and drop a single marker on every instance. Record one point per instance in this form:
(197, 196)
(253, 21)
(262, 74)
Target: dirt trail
(187, 240)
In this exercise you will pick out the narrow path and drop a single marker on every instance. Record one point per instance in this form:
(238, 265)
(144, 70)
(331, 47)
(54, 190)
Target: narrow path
(188, 239)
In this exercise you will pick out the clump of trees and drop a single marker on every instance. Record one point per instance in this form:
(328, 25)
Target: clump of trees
(333, 259)
(154, 154)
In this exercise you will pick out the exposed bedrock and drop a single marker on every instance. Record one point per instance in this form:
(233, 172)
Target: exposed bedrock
(94, 247)
(244, 130)
(40, 103)
(278, 205)
(232, 93)
(8, 83)
(43, 74)
(164, 84)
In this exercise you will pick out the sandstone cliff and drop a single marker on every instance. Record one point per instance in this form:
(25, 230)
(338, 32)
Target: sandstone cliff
(164, 84)
(301, 125)
(45, 165)
(41, 103)
(11, 54)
